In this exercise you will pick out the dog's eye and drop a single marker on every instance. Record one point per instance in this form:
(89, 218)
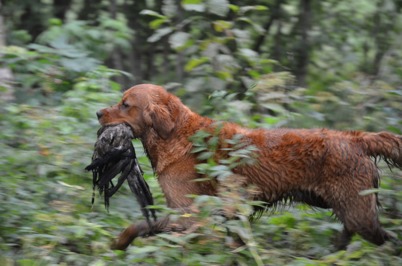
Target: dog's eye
(124, 104)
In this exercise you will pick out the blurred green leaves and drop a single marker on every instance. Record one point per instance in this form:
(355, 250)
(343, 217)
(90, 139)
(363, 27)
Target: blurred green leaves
(210, 53)
(64, 54)
(47, 135)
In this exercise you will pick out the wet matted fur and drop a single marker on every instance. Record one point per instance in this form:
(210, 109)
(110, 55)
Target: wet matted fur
(321, 167)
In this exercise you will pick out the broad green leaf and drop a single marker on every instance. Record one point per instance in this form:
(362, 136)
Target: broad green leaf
(178, 39)
(198, 149)
(248, 53)
(169, 7)
(191, 2)
(194, 7)
(222, 25)
(369, 191)
(258, 28)
(224, 75)
(195, 62)
(205, 155)
(271, 120)
(220, 168)
(159, 34)
(234, 8)
(152, 13)
(156, 23)
(218, 7)
(274, 107)
(245, 9)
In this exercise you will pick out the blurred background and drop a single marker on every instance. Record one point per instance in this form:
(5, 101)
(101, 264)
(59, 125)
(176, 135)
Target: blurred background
(260, 63)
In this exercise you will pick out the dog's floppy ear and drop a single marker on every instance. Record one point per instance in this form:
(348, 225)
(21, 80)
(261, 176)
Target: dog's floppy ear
(160, 118)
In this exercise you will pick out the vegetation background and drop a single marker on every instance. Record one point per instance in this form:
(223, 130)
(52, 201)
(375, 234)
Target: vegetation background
(261, 63)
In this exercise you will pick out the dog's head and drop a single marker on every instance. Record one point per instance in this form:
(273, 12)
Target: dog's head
(143, 107)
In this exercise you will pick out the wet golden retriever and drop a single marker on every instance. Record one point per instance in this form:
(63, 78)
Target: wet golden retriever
(320, 167)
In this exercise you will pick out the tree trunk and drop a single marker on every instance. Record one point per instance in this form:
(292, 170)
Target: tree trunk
(116, 56)
(89, 11)
(302, 51)
(275, 14)
(32, 19)
(60, 8)
(277, 49)
(139, 45)
(6, 76)
(381, 34)
(180, 55)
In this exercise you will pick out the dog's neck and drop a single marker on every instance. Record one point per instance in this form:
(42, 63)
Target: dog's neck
(163, 152)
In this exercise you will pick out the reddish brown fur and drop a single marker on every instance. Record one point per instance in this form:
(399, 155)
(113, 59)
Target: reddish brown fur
(320, 167)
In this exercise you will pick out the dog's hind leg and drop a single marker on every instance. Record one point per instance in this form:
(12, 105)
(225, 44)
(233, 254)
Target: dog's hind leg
(344, 239)
(360, 215)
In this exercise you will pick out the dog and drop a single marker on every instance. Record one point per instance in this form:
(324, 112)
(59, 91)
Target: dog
(320, 167)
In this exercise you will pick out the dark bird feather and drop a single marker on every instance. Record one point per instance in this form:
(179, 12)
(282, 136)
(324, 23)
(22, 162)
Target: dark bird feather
(114, 154)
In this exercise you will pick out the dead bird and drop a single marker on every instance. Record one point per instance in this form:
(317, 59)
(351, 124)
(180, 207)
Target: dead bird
(114, 155)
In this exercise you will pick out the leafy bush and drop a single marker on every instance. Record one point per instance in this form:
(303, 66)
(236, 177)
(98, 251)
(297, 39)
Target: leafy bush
(215, 44)
(44, 197)
(47, 218)
(47, 136)
(66, 55)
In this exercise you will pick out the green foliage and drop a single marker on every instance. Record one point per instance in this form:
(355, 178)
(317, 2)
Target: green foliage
(207, 51)
(353, 104)
(79, 39)
(45, 201)
(217, 59)
(47, 217)
(65, 56)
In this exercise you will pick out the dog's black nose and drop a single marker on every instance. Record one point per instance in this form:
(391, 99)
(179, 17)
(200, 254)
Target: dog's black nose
(99, 114)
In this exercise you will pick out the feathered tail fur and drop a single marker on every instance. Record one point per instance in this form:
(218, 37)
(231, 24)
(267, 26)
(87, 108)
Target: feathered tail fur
(384, 145)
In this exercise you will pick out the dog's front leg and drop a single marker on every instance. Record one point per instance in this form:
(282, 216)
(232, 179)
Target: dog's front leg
(143, 229)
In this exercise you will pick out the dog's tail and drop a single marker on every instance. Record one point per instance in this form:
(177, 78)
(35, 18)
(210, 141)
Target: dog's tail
(384, 145)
